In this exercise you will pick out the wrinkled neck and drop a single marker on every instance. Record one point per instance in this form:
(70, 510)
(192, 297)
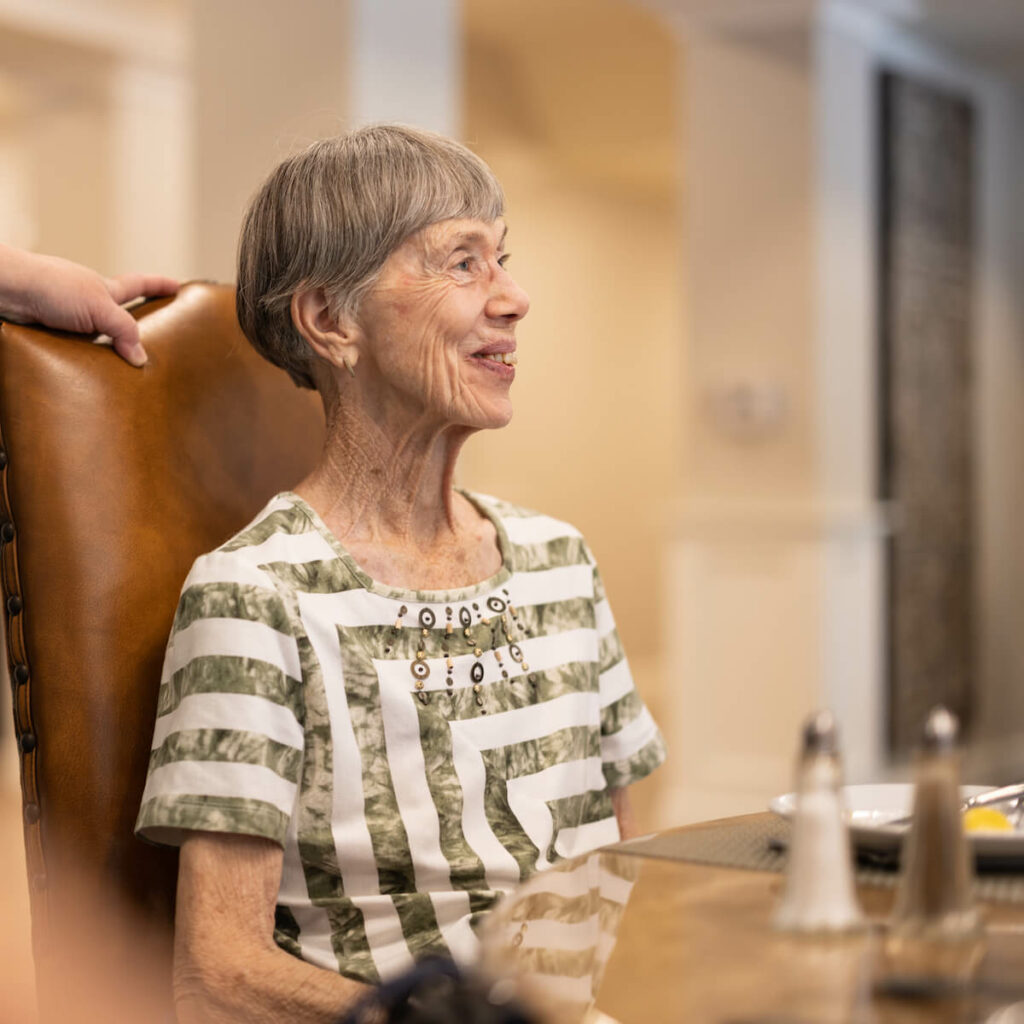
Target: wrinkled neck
(385, 475)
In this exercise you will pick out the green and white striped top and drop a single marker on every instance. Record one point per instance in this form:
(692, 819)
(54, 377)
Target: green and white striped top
(415, 753)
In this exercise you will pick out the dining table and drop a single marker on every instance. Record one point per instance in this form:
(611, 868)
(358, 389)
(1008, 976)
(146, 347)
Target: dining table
(678, 927)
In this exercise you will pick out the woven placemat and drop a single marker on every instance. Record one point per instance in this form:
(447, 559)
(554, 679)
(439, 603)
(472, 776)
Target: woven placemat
(759, 843)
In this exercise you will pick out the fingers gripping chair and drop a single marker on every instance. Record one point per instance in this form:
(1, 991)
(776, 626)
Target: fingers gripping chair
(112, 480)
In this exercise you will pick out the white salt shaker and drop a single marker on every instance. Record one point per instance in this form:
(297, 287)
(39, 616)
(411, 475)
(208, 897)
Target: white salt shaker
(819, 893)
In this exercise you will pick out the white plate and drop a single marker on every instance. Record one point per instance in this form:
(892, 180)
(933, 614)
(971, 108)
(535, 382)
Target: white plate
(873, 807)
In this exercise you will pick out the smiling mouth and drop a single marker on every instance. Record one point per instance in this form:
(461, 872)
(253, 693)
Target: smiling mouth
(507, 358)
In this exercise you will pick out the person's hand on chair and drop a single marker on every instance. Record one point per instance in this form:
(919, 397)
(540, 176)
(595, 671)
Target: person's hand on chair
(69, 297)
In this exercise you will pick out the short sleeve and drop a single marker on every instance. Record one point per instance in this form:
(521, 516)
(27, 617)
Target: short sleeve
(631, 744)
(228, 742)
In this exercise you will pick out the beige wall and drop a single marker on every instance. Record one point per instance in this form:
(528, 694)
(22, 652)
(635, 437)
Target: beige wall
(742, 597)
(58, 114)
(267, 82)
(749, 210)
(94, 122)
(572, 105)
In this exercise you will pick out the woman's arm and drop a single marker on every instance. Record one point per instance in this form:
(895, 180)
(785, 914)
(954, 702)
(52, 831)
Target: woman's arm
(226, 965)
(623, 807)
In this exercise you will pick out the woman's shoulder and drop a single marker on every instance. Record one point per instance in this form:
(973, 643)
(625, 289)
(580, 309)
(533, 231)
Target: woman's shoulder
(280, 533)
(527, 525)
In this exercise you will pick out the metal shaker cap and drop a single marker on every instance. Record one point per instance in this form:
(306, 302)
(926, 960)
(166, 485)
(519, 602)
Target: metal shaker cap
(940, 730)
(821, 735)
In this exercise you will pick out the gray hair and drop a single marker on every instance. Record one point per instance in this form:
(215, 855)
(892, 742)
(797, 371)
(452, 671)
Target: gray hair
(330, 216)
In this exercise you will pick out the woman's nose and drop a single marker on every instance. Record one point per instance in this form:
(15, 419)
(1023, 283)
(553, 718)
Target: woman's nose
(508, 301)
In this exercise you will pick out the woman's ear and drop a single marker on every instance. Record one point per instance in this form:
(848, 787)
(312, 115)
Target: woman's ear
(334, 339)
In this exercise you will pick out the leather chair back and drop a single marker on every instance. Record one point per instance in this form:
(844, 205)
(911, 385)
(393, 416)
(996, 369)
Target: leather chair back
(112, 480)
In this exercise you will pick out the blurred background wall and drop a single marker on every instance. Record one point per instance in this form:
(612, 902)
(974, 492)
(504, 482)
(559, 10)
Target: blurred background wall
(693, 203)
(574, 105)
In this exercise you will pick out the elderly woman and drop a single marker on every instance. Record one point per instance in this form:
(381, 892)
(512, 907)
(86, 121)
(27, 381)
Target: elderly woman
(387, 700)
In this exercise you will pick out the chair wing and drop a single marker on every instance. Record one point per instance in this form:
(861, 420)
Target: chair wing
(112, 480)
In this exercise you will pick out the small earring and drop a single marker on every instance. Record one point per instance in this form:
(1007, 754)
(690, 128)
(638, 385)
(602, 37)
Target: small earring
(348, 366)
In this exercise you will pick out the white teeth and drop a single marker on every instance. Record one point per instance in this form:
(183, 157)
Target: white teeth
(508, 358)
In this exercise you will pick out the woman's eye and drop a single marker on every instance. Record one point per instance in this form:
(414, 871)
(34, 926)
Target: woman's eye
(504, 258)
(463, 265)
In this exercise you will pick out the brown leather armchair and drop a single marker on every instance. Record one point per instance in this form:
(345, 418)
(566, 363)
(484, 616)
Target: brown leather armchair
(112, 480)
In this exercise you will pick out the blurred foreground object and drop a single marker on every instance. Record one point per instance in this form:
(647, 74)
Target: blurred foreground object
(111, 482)
(935, 932)
(819, 894)
(435, 991)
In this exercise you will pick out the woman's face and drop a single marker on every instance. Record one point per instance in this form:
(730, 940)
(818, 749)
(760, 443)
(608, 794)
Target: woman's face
(439, 324)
